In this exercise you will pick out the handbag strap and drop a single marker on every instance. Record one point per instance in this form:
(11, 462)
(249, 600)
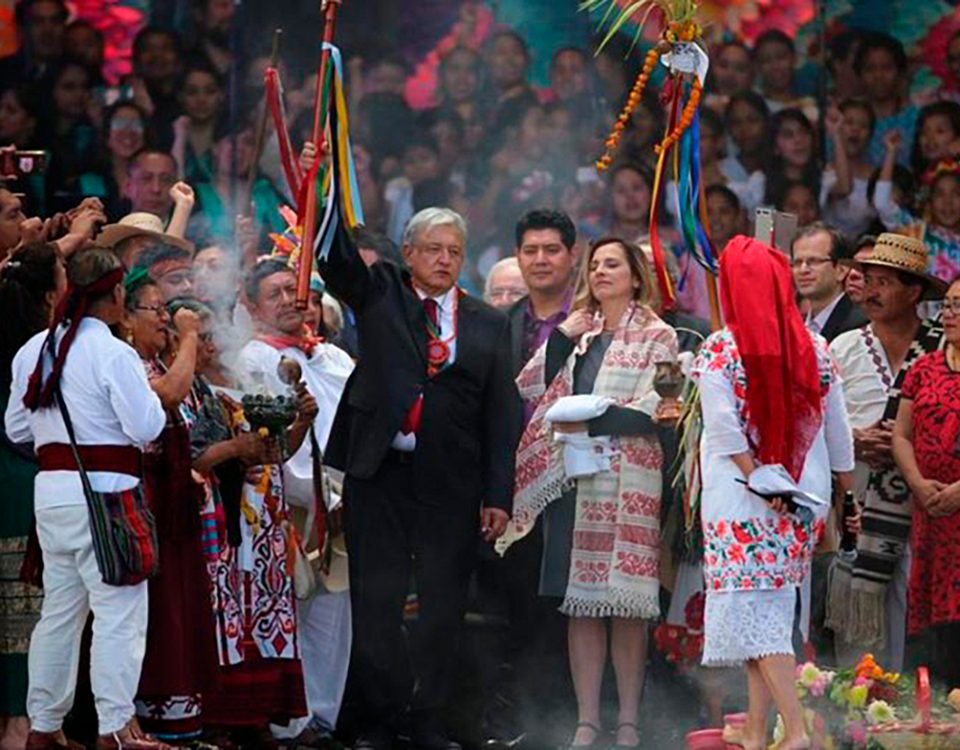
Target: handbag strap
(68, 423)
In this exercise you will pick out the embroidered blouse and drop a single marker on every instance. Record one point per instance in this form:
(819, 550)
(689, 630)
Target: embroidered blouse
(748, 546)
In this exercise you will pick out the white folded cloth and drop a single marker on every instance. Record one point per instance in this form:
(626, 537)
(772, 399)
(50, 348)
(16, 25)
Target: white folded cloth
(578, 408)
(583, 456)
(774, 479)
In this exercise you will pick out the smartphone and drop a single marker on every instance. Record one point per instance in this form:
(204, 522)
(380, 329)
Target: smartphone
(775, 228)
(22, 163)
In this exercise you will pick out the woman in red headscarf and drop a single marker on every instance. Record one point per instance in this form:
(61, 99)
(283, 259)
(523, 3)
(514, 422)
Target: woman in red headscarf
(768, 396)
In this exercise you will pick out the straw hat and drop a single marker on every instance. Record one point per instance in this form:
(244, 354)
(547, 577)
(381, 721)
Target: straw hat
(139, 224)
(907, 254)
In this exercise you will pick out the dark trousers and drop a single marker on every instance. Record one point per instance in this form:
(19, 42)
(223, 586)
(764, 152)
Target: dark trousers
(391, 539)
(530, 689)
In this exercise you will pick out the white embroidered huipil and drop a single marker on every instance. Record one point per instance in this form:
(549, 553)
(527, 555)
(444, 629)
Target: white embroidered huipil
(323, 621)
(756, 559)
(110, 403)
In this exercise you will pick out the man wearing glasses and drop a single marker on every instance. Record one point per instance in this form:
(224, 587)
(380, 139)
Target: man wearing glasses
(818, 274)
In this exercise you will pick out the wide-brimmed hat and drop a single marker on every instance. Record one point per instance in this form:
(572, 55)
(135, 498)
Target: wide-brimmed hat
(906, 254)
(139, 224)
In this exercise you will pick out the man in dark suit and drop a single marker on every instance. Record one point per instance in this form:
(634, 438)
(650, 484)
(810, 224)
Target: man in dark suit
(815, 255)
(531, 654)
(425, 434)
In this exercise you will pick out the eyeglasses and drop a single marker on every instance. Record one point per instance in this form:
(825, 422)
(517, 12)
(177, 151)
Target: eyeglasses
(159, 310)
(813, 263)
(951, 305)
(507, 294)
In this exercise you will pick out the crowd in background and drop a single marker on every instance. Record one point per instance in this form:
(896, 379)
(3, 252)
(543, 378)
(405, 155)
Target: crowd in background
(470, 131)
(167, 161)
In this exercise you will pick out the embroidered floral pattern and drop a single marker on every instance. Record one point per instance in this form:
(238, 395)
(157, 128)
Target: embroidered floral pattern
(759, 553)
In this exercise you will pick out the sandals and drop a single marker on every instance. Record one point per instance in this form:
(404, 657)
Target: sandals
(594, 743)
(634, 727)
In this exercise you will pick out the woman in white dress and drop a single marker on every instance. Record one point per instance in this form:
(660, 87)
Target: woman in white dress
(770, 395)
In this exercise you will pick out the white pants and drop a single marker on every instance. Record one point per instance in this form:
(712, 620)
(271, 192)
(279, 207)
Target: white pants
(324, 627)
(72, 586)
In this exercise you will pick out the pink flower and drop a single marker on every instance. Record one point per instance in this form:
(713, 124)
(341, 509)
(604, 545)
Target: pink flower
(857, 732)
(819, 686)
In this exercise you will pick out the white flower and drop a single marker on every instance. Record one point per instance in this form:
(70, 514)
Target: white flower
(880, 712)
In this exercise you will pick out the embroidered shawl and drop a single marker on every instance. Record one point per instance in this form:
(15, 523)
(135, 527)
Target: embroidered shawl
(614, 564)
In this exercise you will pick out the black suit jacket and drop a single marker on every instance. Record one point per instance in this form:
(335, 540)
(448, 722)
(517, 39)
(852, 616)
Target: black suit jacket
(471, 419)
(516, 316)
(845, 317)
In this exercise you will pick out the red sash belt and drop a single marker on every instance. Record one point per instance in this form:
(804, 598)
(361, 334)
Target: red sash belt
(117, 459)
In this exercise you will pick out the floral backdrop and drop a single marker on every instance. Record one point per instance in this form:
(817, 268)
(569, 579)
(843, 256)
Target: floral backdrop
(924, 28)
(118, 21)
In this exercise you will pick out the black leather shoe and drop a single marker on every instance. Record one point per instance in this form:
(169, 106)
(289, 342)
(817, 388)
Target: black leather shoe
(429, 738)
(374, 739)
(503, 743)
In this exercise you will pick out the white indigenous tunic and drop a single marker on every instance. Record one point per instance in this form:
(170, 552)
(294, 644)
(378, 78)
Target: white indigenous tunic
(867, 380)
(324, 619)
(110, 403)
(325, 371)
(755, 559)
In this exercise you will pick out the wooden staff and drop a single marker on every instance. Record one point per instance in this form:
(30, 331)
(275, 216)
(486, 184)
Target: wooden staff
(261, 134)
(329, 9)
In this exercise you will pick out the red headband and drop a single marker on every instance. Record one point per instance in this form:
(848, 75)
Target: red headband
(73, 307)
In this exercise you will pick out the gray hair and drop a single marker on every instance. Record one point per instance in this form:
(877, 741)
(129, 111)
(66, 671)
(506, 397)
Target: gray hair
(431, 218)
(503, 263)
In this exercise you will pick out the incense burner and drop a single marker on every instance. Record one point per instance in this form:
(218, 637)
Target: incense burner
(668, 382)
(273, 414)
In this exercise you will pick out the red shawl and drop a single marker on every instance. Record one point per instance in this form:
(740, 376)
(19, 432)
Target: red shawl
(783, 399)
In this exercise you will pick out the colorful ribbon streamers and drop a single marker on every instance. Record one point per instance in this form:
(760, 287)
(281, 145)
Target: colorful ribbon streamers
(338, 190)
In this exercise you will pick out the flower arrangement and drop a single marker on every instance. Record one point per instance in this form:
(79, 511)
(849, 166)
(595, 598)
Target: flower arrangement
(868, 708)
(851, 700)
(683, 644)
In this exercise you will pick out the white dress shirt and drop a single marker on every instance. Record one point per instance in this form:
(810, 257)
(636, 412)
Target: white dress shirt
(109, 399)
(446, 304)
(816, 322)
(325, 372)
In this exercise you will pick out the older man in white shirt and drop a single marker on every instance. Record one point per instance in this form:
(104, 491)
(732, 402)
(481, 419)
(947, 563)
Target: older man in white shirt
(323, 618)
(114, 413)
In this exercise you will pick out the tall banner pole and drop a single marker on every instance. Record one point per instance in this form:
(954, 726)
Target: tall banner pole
(329, 9)
(246, 205)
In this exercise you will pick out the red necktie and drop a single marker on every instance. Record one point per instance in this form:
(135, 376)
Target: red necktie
(411, 422)
(432, 309)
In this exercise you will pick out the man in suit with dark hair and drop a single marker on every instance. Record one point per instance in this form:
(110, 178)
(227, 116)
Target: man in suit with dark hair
(547, 257)
(815, 255)
(425, 434)
(536, 632)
